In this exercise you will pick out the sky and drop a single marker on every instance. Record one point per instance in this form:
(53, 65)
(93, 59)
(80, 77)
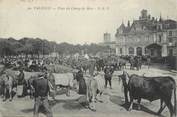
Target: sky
(75, 21)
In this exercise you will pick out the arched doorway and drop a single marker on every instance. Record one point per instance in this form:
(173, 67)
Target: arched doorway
(139, 51)
(155, 50)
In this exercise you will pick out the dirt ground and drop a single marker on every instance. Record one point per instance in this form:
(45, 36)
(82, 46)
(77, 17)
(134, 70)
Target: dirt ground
(112, 101)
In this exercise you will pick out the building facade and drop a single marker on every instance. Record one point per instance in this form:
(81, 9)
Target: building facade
(107, 41)
(147, 36)
(107, 38)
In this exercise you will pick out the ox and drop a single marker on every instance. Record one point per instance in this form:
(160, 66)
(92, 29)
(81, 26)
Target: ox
(92, 88)
(150, 88)
(8, 83)
(55, 81)
(63, 80)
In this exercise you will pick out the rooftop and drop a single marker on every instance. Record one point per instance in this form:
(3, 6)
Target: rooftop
(146, 23)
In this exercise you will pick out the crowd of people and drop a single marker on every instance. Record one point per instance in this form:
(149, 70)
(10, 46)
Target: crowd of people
(41, 86)
(37, 64)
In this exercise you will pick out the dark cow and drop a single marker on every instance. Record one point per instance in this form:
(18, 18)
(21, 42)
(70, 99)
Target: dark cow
(150, 88)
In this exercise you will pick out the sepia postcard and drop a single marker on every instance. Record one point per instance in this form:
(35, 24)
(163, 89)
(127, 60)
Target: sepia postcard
(88, 58)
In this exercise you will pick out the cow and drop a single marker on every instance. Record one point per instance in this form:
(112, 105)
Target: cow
(30, 91)
(62, 81)
(52, 83)
(8, 84)
(150, 88)
(90, 83)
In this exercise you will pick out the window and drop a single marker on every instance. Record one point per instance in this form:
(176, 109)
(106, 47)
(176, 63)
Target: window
(139, 51)
(170, 33)
(146, 51)
(170, 52)
(120, 50)
(131, 50)
(170, 40)
(160, 38)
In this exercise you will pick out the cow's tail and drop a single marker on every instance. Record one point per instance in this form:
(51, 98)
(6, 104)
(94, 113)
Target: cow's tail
(175, 101)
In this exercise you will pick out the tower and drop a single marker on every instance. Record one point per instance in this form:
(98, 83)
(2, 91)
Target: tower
(144, 15)
(107, 37)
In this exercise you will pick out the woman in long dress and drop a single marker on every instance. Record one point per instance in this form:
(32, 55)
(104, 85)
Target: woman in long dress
(81, 80)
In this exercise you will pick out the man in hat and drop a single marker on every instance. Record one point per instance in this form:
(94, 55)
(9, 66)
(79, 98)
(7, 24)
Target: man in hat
(21, 77)
(108, 75)
(148, 61)
(22, 83)
(41, 87)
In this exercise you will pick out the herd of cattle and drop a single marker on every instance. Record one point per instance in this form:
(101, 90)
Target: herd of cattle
(135, 86)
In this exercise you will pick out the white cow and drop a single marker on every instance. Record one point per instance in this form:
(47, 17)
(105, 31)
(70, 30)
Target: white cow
(94, 85)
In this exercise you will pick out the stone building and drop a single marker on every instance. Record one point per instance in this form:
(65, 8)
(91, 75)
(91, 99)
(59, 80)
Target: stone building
(108, 42)
(107, 37)
(147, 36)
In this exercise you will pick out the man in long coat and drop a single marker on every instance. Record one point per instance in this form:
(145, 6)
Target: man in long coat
(108, 76)
(42, 88)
